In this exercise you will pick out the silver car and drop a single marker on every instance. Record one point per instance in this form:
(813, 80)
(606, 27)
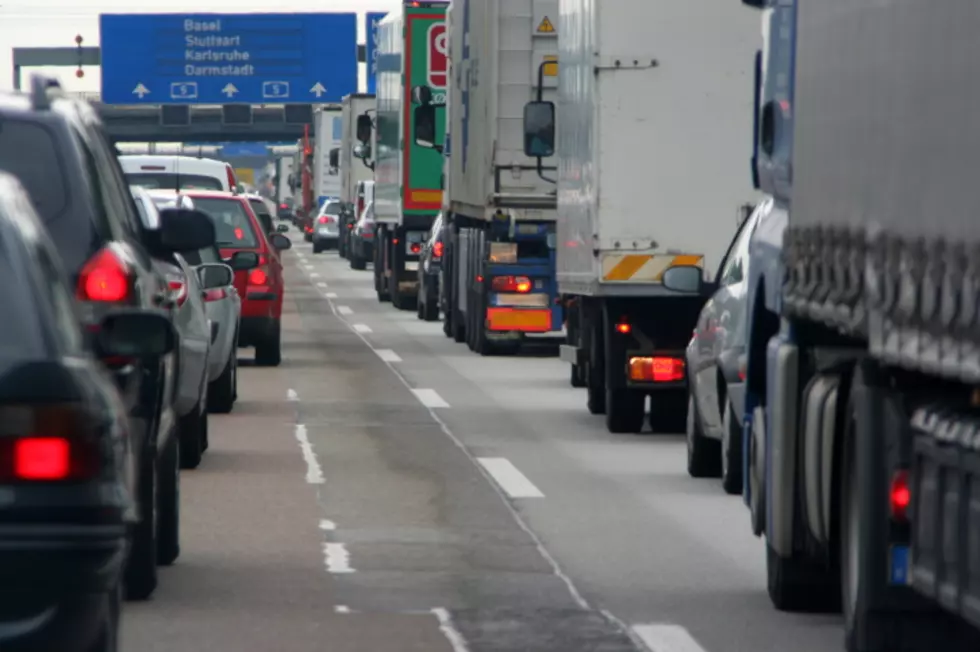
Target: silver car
(326, 226)
(223, 306)
(186, 304)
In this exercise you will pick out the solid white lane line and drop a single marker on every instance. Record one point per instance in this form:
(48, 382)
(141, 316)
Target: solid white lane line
(321, 284)
(314, 472)
(388, 355)
(510, 479)
(330, 295)
(291, 395)
(336, 558)
(363, 328)
(456, 640)
(430, 398)
(667, 638)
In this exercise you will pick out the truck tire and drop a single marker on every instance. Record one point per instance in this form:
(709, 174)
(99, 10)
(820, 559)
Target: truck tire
(596, 375)
(577, 378)
(703, 456)
(625, 410)
(797, 584)
(357, 263)
(731, 452)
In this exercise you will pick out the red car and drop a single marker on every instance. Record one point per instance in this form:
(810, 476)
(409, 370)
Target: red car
(238, 229)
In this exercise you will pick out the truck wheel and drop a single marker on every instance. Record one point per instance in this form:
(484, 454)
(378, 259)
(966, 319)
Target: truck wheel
(595, 375)
(419, 309)
(431, 310)
(797, 584)
(625, 410)
(357, 263)
(731, 452)
(447, 323)
(703, 459)
(577, 376)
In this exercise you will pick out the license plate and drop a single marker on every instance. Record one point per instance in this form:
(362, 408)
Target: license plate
(325, 232)
(532, 300)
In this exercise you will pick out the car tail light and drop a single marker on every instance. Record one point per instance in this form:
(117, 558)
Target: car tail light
(216, 294)
(350, 225)
(415, 247)
(49, 443)
(177, 285)
(258, 276)
(624, 328)
(232, 182)
(437, 248)
(519, 284)
(900, 496)
(326, 219)
(656, 369)
(105, 279)
(283, 207)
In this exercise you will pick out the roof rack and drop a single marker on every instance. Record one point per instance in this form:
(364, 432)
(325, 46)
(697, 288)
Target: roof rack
(42, 90)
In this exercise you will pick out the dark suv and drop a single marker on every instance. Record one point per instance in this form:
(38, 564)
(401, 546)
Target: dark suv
(58, 150)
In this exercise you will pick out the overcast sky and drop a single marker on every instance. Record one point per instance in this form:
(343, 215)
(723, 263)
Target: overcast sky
(55, 23)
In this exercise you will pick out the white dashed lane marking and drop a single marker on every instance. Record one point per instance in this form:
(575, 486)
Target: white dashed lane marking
(430, 398)
(514, 483)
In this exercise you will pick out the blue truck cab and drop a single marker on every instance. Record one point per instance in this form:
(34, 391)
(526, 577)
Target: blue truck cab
(771, 167)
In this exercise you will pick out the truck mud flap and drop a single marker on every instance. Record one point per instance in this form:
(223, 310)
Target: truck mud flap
(945, 510)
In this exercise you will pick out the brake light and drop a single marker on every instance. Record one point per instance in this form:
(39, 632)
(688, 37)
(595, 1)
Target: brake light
(257, 277)
(283, 207)
(232, 181)
(624, 328)
(415, 247)
(326, 219)
(216, 294)
(178, 288)
(350, 225)
(519, 284)
(900, 496)
(656, 369)
(437, 249)
(104, 278)
(66, 451)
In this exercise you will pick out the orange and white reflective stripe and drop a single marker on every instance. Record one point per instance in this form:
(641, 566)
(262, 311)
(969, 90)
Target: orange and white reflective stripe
(643, 268)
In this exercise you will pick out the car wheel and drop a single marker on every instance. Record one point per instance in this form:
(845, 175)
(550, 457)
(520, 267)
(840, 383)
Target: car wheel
(190, 428)
(317, 248)
(731, 452)
(221, 392)
(141, 567)
(268, 352)
(168, 506)
(703, 457)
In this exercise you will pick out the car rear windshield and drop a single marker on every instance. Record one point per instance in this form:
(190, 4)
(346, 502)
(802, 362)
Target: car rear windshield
(168, 181)
(232, 225)
(332, 208)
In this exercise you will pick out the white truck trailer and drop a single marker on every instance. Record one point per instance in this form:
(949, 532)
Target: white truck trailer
(501, 209)
(326, 153)
(354, 169)
(655, 112)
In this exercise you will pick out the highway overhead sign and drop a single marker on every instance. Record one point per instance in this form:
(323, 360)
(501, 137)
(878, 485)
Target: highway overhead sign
(228, 58)
(371, 49)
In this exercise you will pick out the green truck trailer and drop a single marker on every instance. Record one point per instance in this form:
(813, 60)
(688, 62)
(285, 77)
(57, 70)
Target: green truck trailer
(412, 53)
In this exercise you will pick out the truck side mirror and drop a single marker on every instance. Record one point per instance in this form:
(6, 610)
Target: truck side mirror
(425, 126)
(755, 4)
(539, 129)
(364, 127)
(422, 95)
(334, 157)
(362, 151)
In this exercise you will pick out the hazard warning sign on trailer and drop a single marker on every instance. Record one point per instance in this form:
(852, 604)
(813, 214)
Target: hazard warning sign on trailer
(545, 26)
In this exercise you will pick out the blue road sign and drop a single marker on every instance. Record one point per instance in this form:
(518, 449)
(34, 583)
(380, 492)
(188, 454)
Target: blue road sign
(228, 58)
(371, 49)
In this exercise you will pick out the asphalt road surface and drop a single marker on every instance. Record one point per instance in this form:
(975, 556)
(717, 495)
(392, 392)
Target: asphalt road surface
(387, 490)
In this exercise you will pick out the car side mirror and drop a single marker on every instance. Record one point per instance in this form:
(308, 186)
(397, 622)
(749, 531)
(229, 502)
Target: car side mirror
(281, 242)
(364, 127)
(214, 275)
(683, 278)
(243, 260)
(282, 228)
(425, 126)
(539, 129)
(185, 229)
(422, 95)
(136, 334)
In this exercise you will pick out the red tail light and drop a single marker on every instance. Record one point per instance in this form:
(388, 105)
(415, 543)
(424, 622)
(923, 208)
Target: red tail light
(326, 219)
(105, 278)
(216, 294)
(656, 369)
(624, 328)
(258, 276)
(283, 207)
(232, 181)
(367, 234)
(900, 496)
(56, 445)
(415, 247)
(437, 249)
(178, 288)
(519, 284)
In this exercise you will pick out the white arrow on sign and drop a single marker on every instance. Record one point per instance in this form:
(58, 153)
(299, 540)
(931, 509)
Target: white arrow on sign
(229, 90)
(318, 89)
(141, 90)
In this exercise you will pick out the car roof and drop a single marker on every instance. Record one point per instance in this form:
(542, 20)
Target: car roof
(216, 194)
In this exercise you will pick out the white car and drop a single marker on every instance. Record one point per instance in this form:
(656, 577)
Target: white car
(326, 226)
(152, 171)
